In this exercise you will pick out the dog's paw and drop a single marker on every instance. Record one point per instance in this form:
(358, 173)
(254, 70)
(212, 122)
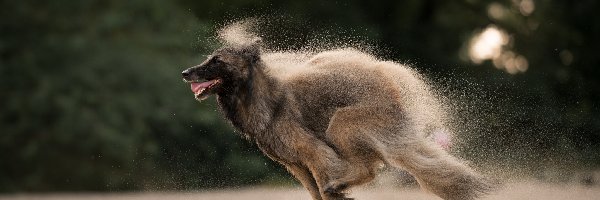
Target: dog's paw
(335, 188)
(342, 197)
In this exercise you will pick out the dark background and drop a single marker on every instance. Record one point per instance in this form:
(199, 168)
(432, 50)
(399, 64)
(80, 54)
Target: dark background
(91, 96)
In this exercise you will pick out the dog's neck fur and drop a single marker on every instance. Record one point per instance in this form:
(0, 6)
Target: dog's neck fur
(253, 105)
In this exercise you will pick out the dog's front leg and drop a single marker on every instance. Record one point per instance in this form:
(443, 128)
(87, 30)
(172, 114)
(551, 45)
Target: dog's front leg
(306, 178)
(326, 167)
(311, 160)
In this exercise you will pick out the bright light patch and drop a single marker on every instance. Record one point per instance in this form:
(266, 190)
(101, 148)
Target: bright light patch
(493, 44)
(526, 7)
(496, 10)
(487, 45)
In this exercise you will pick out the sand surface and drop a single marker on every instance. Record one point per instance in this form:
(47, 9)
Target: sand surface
(511, 191)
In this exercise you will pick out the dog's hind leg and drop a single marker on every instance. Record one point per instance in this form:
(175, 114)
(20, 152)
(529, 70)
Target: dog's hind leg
(351, 131)
(436, 170)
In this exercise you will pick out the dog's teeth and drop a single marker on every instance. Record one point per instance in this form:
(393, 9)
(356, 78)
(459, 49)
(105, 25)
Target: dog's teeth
(200, 91)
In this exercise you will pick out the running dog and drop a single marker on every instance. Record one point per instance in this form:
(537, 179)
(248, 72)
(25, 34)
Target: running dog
(332, 118)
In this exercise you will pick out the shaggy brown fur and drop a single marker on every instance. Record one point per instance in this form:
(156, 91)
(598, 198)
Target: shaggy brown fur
(335, 117)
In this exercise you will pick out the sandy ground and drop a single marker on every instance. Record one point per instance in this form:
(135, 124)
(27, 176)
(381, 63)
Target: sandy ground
(511, 191)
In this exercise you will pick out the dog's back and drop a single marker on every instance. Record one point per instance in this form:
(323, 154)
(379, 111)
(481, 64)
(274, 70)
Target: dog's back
(323, 82)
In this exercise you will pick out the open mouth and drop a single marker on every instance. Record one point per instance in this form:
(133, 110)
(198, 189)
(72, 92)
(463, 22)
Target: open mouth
(201, 88)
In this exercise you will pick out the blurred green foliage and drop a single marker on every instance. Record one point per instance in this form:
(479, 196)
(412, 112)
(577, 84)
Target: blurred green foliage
(92, 97)
(93, 100)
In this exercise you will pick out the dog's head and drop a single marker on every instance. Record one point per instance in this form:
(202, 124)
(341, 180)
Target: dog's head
(225, 70)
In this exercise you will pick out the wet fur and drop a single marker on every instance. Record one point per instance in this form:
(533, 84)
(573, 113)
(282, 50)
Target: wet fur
(332, 123)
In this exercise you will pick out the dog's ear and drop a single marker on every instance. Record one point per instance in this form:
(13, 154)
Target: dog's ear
(252, 51)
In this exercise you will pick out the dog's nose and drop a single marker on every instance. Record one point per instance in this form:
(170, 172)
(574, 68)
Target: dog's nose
(185, 73)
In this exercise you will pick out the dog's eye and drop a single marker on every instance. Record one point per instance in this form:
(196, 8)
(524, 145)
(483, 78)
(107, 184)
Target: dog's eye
(217, 59)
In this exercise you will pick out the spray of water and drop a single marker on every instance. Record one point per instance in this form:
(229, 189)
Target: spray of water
(452, 111)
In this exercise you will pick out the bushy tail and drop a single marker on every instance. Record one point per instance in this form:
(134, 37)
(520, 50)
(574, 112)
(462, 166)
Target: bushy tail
(439, 172)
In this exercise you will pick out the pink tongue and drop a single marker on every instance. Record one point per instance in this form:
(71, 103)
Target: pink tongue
(197, 87)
